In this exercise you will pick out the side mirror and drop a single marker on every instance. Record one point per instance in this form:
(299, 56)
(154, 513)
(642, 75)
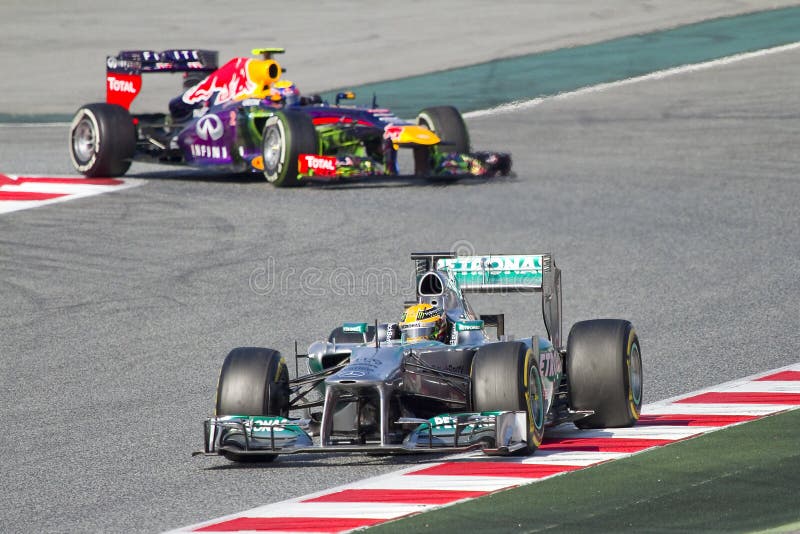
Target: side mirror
(347, 95)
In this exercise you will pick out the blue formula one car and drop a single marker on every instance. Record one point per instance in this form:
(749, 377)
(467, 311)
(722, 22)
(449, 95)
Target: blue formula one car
(442, 379)
(243, 116)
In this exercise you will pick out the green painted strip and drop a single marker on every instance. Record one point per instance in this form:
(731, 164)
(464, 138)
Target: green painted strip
(498, 82)
(32, 118)
(739, 479)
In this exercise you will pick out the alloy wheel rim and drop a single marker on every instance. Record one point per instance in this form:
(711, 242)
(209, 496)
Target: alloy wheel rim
(83, 140)
(272, 150)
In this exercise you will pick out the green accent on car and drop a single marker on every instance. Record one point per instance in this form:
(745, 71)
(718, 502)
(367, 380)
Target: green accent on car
(264, 426)
(445, 424)
(354, 328)
(314, 365)
(522, 270)
(465, 326)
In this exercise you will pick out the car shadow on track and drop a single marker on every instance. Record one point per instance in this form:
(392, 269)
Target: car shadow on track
(372, 182)
(333, 460)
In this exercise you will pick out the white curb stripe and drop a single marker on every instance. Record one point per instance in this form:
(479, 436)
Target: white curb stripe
(772, 386)
(67, 188)
(641, 432)
(334, 509)
(446, 482)
(756, 410)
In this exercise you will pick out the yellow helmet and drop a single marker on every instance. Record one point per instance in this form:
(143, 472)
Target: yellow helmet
(422, 322)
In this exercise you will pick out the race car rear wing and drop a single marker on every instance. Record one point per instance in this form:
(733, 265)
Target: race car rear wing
(504, 273)
(124, 71)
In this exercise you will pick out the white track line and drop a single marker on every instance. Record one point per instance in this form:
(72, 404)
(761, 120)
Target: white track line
(514, 107)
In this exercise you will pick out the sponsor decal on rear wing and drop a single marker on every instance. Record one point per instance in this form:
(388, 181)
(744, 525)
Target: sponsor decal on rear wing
(175, 60)
(497, 273)
(124, 71)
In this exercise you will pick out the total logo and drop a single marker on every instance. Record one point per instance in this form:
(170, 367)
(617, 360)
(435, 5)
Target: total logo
(122, 86)
(209, 127)
(321, 165)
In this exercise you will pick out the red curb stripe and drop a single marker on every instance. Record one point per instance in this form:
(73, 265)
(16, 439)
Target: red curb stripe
(5, 180)
(495, 469)
(784, 375)
(602, 444)
(290, 524)
(693, 420)
(737, 397)
(24, 195)
(398, 496)
(72, 181)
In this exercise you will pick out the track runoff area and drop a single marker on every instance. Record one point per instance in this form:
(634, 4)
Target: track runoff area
(461, 478)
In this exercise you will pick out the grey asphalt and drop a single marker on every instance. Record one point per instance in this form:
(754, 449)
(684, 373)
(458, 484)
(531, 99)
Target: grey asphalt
(673, 203)
(53, 54)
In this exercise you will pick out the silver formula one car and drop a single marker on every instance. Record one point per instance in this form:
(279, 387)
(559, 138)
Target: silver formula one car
(437, 381)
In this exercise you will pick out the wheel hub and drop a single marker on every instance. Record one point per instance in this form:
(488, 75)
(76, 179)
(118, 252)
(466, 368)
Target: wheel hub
(83, 141)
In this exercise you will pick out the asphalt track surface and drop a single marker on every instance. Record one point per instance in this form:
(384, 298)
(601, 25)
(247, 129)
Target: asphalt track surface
(671, 202)
(53, 57)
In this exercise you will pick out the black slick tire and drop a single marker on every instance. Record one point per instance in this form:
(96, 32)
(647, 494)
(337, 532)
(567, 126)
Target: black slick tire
(604, 370)
(253, 381)
(505, 377)
(286, 135)
(448, 124)
(102, 140)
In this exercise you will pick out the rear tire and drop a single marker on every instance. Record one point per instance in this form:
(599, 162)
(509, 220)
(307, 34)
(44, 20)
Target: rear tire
(286, 135)
(102, 140)
(448, 124)
(604, 369)
(505, 377)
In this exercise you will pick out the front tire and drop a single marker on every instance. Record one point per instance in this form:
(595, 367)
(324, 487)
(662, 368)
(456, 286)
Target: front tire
(448, 124)
(604, 369)
(286, 135)
(505, 377)
(102, 140)
(253, 381)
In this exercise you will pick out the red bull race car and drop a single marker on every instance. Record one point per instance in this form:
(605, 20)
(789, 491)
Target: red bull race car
(442, 379)
(244, 117)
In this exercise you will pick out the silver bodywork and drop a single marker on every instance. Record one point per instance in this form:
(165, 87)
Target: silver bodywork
(381, 394)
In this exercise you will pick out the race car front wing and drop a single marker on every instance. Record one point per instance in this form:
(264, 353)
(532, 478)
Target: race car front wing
(495, 433)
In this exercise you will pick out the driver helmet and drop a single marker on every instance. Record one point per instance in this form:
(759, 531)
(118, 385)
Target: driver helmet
(284, 91)
(423, 322)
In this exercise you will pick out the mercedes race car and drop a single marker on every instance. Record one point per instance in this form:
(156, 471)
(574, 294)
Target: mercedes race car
(243, 117)
(443, 379)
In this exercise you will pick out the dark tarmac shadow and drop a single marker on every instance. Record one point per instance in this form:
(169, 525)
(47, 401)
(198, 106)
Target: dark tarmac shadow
(369, 182)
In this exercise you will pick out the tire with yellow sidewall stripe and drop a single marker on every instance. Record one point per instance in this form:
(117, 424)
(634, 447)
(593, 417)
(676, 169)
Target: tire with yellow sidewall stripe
(253, 381)
(505, 377)
(604, 370)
